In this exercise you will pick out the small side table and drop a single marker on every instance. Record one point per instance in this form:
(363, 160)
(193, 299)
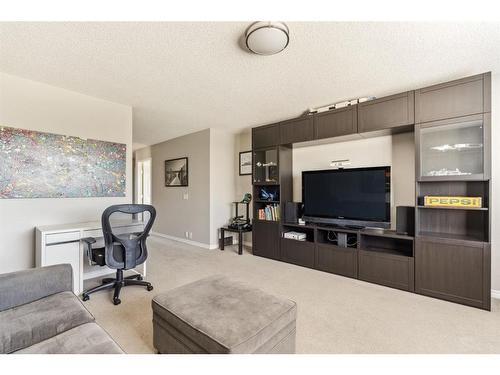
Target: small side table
(240, 237)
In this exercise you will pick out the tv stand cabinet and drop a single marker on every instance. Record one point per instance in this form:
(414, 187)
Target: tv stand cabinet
(381, 257)
(450, 256)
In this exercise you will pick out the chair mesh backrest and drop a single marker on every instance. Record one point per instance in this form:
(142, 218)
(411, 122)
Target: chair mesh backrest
(125, 251)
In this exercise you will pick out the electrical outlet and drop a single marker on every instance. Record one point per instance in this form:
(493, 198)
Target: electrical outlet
(185, 196)
(186, 234)
(190, 235)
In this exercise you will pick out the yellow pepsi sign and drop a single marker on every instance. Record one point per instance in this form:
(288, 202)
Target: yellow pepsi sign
(465, 202)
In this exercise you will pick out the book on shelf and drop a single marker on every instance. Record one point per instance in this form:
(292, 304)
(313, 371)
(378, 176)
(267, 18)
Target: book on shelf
(270, 212)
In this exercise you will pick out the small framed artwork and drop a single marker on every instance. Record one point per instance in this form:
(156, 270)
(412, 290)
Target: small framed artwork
(245, 163)
(176, 172)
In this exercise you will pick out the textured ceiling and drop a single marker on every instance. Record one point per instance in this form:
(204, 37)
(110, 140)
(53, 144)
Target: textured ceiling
(183, 77)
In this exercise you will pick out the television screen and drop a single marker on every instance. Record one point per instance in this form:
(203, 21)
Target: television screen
(360, 194)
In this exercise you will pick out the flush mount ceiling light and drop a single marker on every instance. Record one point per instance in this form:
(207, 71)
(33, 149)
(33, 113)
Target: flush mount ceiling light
(267, 38)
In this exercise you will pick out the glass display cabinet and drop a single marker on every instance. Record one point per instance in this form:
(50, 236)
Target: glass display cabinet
(452, 149)
(265, 166)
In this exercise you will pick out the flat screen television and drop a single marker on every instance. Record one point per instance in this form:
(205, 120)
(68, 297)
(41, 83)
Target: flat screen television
(359, 197)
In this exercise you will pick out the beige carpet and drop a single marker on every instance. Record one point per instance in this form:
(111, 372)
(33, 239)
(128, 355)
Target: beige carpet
(335, 314)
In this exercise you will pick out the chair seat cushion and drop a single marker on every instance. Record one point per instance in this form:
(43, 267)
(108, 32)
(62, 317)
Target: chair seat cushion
(87, 338)
(28, 324)
(219, 315)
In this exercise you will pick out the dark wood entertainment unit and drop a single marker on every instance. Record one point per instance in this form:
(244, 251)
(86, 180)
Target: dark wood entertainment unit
(449, 257)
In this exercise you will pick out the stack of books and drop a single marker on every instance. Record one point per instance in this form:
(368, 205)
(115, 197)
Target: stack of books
(270, 212)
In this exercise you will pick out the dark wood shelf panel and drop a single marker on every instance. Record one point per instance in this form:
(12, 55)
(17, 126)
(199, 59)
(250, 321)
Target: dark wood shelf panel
(454, 208)
(266, 221)
(385, 233)
(452, 236)
(262, 183)
(387, 251)
(265, 201)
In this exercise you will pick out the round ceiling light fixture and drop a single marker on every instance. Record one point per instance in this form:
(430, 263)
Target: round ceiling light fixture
(267, 37)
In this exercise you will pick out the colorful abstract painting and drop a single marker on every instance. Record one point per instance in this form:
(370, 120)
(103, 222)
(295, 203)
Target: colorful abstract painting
(44, 165)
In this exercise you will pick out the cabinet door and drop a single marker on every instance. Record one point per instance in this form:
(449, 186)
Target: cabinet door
(335, 123)
(339, 260)
(297, 252)
(265, 239)
(391, 270)
(390, 112)
(462, 97)
(456, 271)
(65, 253)
(265, 136)
(296, 130)
(454, 149)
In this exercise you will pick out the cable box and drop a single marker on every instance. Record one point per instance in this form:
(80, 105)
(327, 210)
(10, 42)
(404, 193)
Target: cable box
(295, 236)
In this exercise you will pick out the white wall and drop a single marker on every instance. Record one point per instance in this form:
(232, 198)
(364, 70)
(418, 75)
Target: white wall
(222, 190)
(396, 151)
(36, 106)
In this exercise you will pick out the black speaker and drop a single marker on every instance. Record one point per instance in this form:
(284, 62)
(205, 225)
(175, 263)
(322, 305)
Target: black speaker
(293, 212)
(405, 220)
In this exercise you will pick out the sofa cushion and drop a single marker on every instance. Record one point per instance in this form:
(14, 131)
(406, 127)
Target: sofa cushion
(87, 338)
(223, 316)
(40, 320)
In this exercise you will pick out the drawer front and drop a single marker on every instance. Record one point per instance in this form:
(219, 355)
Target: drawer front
(297, 130)
(297, 252)
(395, 271)
(62, 254)
(338, 260)
(387, 113)
(456, 272)
(56, 238)
(265, 136)
(336, 123)
(452, 99)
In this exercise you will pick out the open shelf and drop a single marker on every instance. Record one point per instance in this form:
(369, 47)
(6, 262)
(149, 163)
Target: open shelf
(395, 245)
(329, 237)
(309, 231)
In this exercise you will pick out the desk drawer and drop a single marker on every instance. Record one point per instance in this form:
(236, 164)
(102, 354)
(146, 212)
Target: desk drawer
(55, 238)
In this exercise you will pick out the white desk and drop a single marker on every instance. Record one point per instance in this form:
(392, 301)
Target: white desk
(56, 244)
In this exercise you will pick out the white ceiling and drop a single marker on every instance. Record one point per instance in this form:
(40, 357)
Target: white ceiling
(183, 77)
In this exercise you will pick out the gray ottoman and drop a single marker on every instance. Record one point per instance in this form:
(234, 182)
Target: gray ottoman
(219, 315)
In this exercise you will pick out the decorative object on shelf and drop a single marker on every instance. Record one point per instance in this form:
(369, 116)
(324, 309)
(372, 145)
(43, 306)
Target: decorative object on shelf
(176, 172)
(35, 164)
(457, 202)
(270, 170)
(297, 236)
(458, 147)
(447, 172)
(241, 222)
(245, 163)
(267, 37)
(338, 105)
(269, 194)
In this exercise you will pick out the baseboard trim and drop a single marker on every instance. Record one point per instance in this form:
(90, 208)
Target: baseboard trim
(185, 240)
(495, 294)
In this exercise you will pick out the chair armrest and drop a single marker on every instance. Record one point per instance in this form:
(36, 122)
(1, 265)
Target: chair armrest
(21, 287)
(89, 240)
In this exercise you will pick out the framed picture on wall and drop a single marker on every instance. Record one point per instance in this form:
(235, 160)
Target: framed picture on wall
(245, 163)
(176, 172)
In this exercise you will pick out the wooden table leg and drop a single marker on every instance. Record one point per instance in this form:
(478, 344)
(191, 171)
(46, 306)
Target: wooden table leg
(240, 242)
(222, 240)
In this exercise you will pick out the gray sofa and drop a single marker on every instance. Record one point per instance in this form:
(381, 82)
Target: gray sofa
(40, 314)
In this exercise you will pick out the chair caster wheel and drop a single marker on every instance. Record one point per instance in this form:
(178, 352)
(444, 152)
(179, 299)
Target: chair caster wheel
(149, 288)
(116, 301)
(140, 278)
(85, 297)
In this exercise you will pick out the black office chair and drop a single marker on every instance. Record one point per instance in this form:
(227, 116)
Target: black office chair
(121, 252)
